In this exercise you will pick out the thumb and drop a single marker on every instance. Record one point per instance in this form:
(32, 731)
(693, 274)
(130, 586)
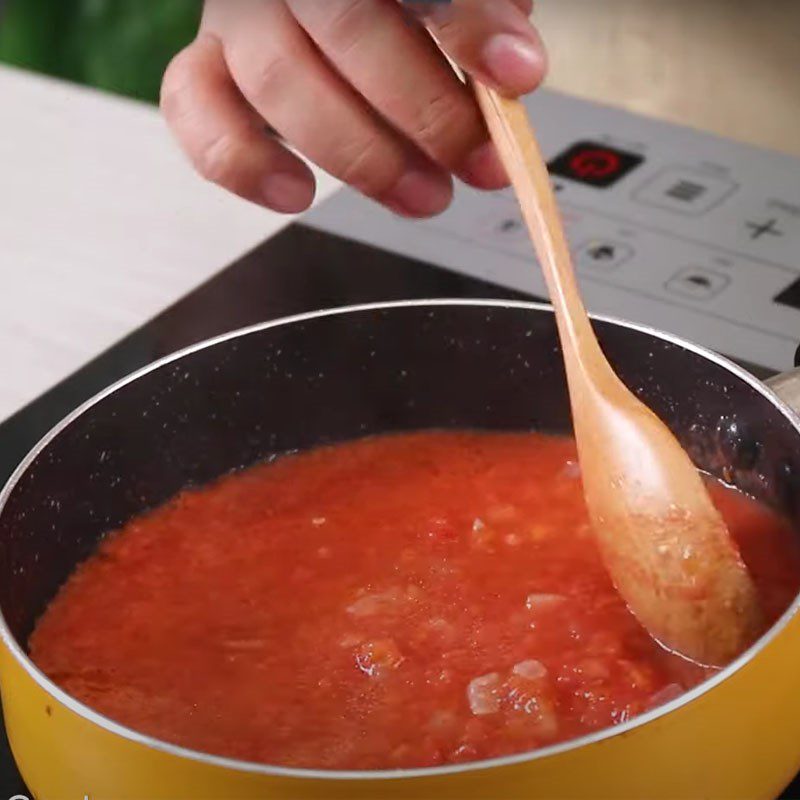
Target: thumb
(493, 40)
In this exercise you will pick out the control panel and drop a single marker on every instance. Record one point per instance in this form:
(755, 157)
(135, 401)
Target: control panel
(668, 226)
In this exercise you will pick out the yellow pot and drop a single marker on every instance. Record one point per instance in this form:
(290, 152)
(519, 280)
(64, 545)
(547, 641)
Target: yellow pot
(736, 736)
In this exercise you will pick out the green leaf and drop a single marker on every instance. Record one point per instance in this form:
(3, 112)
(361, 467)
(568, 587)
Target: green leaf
(122, 46)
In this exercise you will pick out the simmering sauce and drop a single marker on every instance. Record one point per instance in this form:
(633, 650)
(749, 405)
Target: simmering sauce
(400, 601)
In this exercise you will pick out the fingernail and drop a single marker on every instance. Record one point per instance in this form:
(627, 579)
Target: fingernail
(483, 168)
(513, 62)
(287, 193)
(420, 194)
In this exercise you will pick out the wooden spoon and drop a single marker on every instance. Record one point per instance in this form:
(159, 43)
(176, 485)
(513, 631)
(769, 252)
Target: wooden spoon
(662, 540)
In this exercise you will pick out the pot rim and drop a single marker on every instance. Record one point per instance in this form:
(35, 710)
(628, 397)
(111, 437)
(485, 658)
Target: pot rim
(59, 695)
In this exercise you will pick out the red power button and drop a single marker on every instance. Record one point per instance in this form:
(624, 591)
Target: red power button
(594, 164)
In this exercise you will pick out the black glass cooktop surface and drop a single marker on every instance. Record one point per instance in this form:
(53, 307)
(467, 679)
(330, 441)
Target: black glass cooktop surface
(297, 271)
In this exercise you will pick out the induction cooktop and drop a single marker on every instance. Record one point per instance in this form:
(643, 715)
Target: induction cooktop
(668, 226)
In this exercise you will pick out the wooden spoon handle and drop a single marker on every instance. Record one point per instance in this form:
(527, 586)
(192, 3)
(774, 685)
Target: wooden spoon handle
(521, 155)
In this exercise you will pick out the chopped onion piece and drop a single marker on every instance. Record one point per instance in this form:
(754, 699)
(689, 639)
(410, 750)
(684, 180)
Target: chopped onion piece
(539, 600)
(482, 694)
(375, 603)
(376, 657)
(531, 668)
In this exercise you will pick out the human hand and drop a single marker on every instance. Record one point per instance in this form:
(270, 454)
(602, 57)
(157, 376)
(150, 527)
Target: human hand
(357, 86)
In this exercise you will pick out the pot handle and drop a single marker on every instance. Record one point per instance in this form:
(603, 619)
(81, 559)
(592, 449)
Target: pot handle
(787, 387)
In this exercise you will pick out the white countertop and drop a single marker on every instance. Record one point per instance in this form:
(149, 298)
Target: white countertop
(102, 225)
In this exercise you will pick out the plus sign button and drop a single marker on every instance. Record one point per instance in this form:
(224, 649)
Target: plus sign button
(594, 164)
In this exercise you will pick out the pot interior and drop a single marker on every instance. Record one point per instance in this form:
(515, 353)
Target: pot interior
(332, 377)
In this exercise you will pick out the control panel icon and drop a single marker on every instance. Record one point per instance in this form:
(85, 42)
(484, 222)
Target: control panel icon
(604, 254)
(509, 225)
(594, 164)
(506, 228)
(697, 283)
(685, 191)
(790, 296)
(766, 228)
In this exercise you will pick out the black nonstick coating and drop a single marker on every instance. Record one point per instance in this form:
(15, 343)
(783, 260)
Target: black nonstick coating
(332, 377)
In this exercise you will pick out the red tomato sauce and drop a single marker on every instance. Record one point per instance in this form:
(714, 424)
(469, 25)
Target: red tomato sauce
(401, 601)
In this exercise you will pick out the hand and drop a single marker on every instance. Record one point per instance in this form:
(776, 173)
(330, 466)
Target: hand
(356, 86)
